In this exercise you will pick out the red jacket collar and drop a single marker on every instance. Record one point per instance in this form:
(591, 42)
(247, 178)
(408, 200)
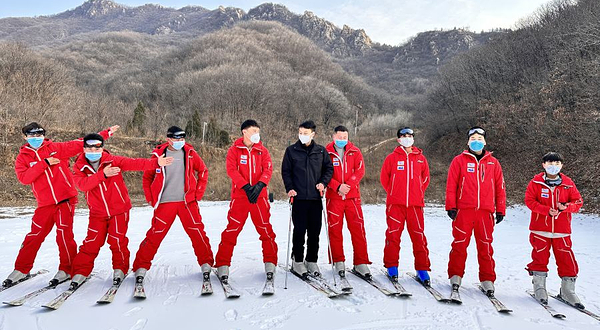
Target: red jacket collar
(469, 154)
(160, 149)
(400, 150)
(81, 162)
(27, 148)
(239, 143)
(349, 147)
(566, 181)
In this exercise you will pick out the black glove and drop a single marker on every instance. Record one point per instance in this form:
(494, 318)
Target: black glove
(256, 189)
(248, 189)
(452, 214)
(499, 217)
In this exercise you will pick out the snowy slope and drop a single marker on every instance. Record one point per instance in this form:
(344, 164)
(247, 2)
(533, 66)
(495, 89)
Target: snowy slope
(173, 284)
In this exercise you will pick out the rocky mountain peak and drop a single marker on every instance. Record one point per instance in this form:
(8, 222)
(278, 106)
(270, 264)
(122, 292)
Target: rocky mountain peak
(96, 8)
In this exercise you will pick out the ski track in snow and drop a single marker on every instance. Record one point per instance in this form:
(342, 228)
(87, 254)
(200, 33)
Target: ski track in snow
(174, 282)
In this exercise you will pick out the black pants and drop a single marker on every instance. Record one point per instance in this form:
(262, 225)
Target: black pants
(307, 219)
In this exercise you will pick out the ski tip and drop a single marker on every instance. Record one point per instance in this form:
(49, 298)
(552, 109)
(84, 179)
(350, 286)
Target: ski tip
(12, 303)
(52, 308)
(102, 302)
(268, 293)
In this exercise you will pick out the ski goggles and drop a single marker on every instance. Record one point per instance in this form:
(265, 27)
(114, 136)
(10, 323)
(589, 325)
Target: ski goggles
(479, 131)
(176, 135)
(406, 130)
(36, 132)
(93, 144)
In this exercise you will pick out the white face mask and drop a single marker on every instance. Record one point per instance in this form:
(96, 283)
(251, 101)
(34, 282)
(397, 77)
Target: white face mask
(304, 138)
(407, 141)
(553, 169)
(255, 138)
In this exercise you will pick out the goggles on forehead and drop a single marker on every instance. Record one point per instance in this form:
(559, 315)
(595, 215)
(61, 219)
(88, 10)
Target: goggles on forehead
(176, 135)
(36, 131)
(94, 144)
(479, 131)
(405, 131)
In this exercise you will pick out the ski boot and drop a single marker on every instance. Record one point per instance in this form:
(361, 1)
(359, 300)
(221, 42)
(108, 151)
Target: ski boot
(539, 286)
(567, 292)
(423, 276)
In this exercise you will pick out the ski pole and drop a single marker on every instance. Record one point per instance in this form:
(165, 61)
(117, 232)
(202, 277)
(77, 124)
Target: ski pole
(287, 258)
(324, 206)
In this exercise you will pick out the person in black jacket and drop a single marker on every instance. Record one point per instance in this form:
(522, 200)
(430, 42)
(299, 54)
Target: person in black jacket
(306, 171)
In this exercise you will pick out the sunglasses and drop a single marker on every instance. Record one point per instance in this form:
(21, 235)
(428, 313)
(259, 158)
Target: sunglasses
(479, 131)
(405, 131)
(94, 144)
(176, 135)
(36, 132)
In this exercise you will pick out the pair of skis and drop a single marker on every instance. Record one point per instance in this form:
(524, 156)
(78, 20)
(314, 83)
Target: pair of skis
(455, 296)
(399, 290)
(231, 292)
(558, 315)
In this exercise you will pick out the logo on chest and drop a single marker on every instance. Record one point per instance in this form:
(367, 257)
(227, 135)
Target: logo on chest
(32, 163)
(471, 167)
(545, 195)
(158, 170)
(244, 159)
(400, 165)
(336, 163)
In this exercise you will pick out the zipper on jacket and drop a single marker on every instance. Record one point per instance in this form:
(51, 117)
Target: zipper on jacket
(407, 173)
(47, 177)
(119, 191)
(249, 166)
(101, 192)
(64, 176)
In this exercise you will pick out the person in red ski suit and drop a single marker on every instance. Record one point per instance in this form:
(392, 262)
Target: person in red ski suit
(98, 174)
(44, 165)
(175, 191)
(343, 199)
(250, 168)
(474, 191)
(405, 177)
(552, 197)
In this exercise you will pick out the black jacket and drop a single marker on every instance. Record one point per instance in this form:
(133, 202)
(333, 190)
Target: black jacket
(303, 168)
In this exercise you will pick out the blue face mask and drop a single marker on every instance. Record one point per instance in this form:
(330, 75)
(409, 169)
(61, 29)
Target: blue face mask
(341, 143)
(35, 142)
(476, 145)
(177, 145)
(93, 156)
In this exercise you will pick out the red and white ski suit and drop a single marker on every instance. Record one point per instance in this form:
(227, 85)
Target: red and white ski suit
(248, 166)
(548, 231)
(349, 169)
(56, 196)
(405, 177)
(476, 190)
(196, 177)
(109, 204)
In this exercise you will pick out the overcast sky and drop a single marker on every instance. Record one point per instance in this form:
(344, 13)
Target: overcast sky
(385, 21)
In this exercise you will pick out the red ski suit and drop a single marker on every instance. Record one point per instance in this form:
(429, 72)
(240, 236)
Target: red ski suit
(349, 169)
(56, 196)
(196, 177)
(109, 204)
(247, 166)
(405, 177)
(540, 198)
(476, 189)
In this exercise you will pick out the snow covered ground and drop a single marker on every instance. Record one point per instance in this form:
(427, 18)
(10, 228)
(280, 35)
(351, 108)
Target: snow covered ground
(173, 283)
